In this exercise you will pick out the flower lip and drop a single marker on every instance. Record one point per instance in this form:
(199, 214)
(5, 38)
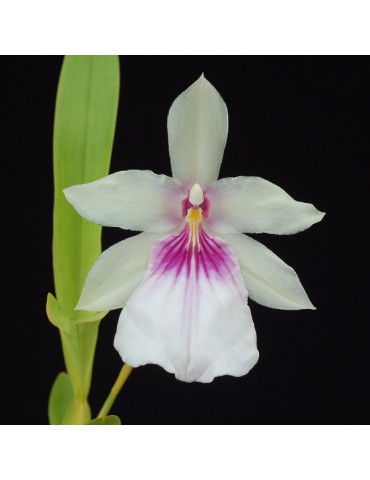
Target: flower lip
(190, 313)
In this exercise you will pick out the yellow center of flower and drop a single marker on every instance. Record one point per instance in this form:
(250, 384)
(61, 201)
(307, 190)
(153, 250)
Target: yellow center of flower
(194, 216)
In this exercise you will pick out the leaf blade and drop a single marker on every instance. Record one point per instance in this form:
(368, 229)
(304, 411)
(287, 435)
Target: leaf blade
(60, 399)
(85, 118)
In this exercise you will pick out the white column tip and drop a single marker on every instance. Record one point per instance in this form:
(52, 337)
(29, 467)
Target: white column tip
(196, 195)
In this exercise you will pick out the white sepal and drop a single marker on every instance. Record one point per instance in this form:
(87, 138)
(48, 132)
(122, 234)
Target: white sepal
(269, 280)
(255, 205)
(116, 273)
(197, 133)
(133, 200)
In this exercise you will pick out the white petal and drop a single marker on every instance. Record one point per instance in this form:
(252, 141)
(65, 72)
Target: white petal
(116, 273)
(254, 205)
(269, 280)
(190, 313)
(197, 133)
(133, 200)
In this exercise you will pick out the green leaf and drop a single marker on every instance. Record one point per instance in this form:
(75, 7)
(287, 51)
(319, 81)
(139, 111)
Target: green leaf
(109, 420)
(61, 397)
(65, 321)
(85, 118)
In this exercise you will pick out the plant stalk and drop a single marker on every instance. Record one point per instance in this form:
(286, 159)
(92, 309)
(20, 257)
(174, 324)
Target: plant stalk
(118, 384)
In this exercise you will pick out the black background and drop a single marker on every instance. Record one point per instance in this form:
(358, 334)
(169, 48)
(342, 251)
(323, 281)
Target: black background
(300, 122)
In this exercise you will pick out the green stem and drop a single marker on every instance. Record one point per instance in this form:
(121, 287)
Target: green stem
(118, 384)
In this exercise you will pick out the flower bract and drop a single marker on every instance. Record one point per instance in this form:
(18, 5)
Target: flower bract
(184, 283)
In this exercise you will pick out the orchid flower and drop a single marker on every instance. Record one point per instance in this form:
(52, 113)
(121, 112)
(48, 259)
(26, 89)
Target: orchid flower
(184, 283)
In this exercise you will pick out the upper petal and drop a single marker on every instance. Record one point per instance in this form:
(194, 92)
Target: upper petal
(197, 133)
(190, 313)
(254, 205)
(116, 273)
(269, 280)
(133, 200)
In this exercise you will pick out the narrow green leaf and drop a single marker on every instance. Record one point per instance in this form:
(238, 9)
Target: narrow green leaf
(85, 118)
(61, 397)
(109, 420)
